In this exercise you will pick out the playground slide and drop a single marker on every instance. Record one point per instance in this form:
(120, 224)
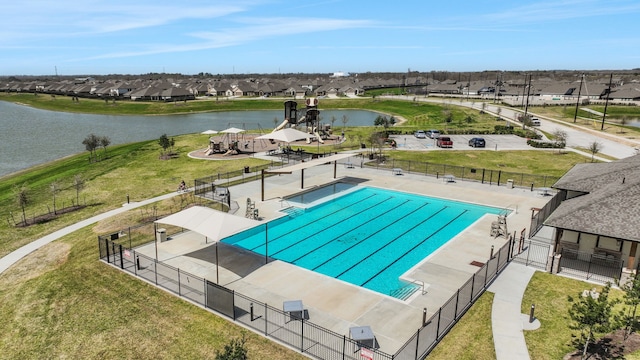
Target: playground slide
(281, 126)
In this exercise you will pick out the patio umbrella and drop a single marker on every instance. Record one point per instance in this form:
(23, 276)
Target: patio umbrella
(287, 135)
(232, 130)
(209, 132)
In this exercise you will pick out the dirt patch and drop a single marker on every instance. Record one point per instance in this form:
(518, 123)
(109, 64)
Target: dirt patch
(611, 346)
(43, 260)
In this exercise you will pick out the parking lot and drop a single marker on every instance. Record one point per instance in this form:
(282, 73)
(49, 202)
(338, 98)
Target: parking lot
(461, 142)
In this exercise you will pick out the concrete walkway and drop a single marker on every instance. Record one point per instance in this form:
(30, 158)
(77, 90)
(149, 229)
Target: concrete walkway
(507, 321)
(8, 260)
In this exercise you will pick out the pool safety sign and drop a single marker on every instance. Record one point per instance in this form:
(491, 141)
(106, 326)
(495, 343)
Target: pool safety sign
(366, 353)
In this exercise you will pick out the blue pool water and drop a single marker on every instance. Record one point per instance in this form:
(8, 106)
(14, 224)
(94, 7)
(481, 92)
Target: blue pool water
(368, 237)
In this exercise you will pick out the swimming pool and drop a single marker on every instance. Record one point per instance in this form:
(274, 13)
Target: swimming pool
(368, 237)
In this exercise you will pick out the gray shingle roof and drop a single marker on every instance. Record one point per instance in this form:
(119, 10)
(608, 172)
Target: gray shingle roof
(611, 201)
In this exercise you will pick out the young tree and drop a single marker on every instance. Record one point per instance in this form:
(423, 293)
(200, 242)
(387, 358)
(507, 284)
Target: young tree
(345, 120)
(78, 184)
(91, 143)
(560, 137)
(594, 148)
(54, 187)
(23, 199)
(104, 142)
(627, 316)
(164, 143)
(235, 350)
(590, 315)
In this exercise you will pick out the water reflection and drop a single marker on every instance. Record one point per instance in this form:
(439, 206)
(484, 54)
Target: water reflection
(31, 136)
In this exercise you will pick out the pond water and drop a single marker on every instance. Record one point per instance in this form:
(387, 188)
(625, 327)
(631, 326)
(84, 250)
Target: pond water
(31, 136)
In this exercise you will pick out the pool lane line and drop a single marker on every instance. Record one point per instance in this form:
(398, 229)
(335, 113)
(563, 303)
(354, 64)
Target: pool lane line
(392, 240)
(413, 248)
(334, 224)
(351, 229)
(333, 213)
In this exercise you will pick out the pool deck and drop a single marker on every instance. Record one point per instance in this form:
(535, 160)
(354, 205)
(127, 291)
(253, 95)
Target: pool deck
(337, 305)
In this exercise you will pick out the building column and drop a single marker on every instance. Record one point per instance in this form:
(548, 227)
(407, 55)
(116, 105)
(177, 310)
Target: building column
(631, 264)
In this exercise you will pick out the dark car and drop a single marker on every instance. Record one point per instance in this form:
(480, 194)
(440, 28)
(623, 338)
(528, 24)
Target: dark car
(477, 142)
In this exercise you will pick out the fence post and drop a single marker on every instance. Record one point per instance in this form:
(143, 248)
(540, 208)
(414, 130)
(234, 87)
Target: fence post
(482, 182)
(179, 289)
(106, 246)
(344, 345)
(266, 321)
(438, 326)
(302, 333)
(486, 273)
(457, 300)
(418, 341)
(121, 259)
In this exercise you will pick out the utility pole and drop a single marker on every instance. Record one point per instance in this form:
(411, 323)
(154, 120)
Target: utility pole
(495, 89)
(606, 102)
(526, 108)
(575, 116)
(523, 88)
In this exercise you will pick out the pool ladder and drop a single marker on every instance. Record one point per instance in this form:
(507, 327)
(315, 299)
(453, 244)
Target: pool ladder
(409, 289)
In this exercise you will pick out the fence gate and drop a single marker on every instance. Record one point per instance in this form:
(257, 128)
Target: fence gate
(531, 253)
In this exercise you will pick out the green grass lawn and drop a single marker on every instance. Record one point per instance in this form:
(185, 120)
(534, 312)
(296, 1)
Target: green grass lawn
(471, 338)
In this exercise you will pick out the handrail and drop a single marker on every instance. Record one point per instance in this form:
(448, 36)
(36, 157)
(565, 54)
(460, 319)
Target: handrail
(284, 201)
(420, 282)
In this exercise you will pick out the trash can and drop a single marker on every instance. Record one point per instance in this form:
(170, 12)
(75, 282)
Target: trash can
(161, 235)
(510, 183)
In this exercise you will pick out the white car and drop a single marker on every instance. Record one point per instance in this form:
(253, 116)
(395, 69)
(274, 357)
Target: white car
(433, 134)
(420, 134)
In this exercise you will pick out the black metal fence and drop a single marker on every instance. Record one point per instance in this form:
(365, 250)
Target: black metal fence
(537, 220)
(296, 332)
(590, 266)
(435, 328)
(485, 176)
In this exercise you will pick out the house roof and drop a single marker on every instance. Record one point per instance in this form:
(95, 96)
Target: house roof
(610, 201)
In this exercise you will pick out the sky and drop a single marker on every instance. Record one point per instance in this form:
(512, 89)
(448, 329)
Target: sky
(89, 37)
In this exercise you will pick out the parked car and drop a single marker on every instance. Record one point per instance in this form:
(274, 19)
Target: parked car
(444, 142)
(477, 142)
(420, 134)
(535, 121)
(433, 134)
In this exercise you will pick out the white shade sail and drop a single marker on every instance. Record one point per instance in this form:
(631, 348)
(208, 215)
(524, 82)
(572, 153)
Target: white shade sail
(213, 224)
(286, 135)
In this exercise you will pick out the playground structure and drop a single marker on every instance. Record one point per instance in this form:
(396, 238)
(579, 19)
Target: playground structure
(311, 119)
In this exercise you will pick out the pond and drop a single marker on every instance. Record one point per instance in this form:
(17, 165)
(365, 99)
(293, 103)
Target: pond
(31, 136)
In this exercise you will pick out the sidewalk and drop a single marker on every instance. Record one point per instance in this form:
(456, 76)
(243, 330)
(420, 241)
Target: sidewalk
(13, 257)
(507, 321)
